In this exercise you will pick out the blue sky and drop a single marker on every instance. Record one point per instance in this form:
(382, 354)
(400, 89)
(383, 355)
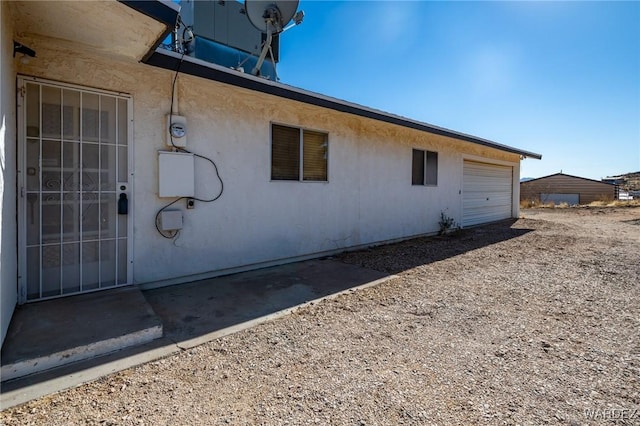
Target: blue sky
(558, 78)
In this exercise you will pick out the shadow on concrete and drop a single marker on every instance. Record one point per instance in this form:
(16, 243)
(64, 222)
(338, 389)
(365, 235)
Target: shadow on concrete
(192, 310)
(189, 314)
(201, 311)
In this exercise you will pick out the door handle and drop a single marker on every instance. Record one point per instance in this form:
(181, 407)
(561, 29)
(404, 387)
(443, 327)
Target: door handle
(123, 204)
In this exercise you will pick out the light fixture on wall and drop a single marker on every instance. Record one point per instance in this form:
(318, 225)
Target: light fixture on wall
(26, 52)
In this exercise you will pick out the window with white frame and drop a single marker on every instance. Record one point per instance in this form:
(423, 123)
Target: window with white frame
(424, 168)
(298, 154)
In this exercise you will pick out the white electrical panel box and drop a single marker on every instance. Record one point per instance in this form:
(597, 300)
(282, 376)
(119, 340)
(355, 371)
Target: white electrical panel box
(176, 131)
(176, 173)
(170, 220)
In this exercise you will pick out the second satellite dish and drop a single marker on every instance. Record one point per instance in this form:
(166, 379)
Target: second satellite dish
(270, 16)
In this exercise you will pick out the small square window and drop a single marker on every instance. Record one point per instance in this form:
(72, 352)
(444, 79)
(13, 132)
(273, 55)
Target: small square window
(298, 154)
(424, 168)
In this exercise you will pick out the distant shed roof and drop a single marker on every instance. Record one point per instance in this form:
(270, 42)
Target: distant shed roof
(566, 175)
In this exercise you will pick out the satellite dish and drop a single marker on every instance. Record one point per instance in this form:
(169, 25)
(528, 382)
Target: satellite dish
(271, 17)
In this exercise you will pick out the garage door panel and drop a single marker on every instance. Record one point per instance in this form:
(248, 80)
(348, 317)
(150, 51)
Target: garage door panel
(479, 208)
(480, 217)
(488, 199)
(481, 187)
(487, 192)
(504, 193)
(487, 169)
(483, 183)
(487, 212)
(488, 177)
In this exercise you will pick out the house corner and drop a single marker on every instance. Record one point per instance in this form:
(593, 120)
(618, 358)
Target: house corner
(8, 228)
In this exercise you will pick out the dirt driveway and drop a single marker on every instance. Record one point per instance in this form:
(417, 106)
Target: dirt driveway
(532, 322)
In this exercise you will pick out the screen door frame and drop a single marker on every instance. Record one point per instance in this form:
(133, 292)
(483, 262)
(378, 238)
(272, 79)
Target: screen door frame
(121, 187)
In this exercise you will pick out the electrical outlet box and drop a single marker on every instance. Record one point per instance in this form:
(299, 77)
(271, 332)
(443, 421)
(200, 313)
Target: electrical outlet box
(176, 131)
(176, 174)
(171, 220)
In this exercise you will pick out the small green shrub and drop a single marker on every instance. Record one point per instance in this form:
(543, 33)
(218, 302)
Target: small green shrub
(447, 224)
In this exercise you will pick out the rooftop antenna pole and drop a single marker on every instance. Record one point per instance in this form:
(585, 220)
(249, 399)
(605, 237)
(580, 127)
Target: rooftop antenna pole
(263, 54)
(176, 39)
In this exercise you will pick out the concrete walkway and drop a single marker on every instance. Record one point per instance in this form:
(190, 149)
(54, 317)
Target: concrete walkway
(52, 333)
(61, 343)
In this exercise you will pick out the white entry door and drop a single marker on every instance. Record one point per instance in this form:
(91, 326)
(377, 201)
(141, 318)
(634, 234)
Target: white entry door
(75, 186)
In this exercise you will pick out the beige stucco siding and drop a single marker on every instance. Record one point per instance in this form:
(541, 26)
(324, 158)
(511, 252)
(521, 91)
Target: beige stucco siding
(8, 229)
(368, 198)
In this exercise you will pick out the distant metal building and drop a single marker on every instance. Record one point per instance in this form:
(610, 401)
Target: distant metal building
(562, 188)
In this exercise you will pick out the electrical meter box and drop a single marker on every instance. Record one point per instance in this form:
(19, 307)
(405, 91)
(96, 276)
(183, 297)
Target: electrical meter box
(176, 131)
(176, 173)
(171, 220)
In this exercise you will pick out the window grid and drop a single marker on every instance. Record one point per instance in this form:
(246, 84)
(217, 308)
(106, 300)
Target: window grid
(305, 160)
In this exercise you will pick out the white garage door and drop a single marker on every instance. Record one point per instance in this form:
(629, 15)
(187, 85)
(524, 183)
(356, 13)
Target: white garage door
(487, 193)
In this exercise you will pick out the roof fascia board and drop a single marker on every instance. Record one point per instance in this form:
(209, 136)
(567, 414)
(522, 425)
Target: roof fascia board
(163, 11)
(170, 60)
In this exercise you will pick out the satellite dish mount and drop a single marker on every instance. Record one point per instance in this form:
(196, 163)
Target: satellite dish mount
(271, 17)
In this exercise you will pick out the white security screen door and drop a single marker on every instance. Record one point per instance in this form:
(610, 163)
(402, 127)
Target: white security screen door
(74, 178)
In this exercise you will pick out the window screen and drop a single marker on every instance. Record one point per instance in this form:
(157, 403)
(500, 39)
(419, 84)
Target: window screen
(418, 167)
(424, 169)
(286, 145)
(285, 153)
(314, 156)
(432, 168)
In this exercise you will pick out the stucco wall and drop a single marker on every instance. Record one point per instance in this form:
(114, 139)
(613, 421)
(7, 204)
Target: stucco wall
(8, 260)
(369, 196)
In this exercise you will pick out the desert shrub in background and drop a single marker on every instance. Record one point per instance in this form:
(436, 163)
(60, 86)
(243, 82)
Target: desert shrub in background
(527, 204)
(615, 203)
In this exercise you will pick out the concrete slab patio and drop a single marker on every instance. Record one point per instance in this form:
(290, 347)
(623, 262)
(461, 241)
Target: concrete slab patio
(52, 333)
(81, 338)
(192, 311)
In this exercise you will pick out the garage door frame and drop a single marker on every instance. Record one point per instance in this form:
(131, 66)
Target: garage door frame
(515, 186)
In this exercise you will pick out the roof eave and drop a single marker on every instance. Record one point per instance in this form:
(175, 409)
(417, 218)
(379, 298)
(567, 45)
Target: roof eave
(170, 60)
(163, 11)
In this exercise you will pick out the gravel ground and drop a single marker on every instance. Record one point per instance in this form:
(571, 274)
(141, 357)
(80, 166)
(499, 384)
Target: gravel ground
(533, 323)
